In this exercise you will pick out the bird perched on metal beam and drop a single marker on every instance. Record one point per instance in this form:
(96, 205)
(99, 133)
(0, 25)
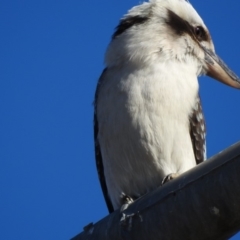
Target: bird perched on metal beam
(148, 119)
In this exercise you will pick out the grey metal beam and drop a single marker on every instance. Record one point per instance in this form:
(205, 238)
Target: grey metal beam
(201, 204)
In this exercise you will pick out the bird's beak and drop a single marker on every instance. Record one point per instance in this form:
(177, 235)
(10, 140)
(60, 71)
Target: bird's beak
(218, 70)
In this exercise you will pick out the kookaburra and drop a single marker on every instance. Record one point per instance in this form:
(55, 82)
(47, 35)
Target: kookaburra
(148, 119)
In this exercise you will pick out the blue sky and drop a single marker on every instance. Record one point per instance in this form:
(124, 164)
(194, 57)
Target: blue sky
(51, 55)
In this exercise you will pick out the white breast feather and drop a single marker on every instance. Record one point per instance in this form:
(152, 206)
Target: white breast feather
(143, 116)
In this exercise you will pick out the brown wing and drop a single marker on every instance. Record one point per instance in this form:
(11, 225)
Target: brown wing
(98, 155)
(198, 132)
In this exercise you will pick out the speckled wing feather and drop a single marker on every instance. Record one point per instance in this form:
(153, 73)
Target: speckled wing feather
(198, 132)
(98, 155)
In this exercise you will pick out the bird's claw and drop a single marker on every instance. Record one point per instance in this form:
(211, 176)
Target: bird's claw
(126, 201)
(169, 177)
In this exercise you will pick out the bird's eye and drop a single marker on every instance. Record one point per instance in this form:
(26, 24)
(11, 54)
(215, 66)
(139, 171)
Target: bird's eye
(199, 32)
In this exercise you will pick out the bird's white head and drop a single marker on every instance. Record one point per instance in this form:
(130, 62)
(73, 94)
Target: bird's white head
(167, 30)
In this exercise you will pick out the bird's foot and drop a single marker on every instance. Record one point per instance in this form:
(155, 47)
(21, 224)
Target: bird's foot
(125, 201)
(169, 177)
(127, 218)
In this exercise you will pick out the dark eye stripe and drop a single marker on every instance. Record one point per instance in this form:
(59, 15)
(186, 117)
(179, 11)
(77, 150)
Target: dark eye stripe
(180, 27)
(128, 23)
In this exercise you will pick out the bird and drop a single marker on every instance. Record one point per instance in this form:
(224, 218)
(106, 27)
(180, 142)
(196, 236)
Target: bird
(149, 125)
